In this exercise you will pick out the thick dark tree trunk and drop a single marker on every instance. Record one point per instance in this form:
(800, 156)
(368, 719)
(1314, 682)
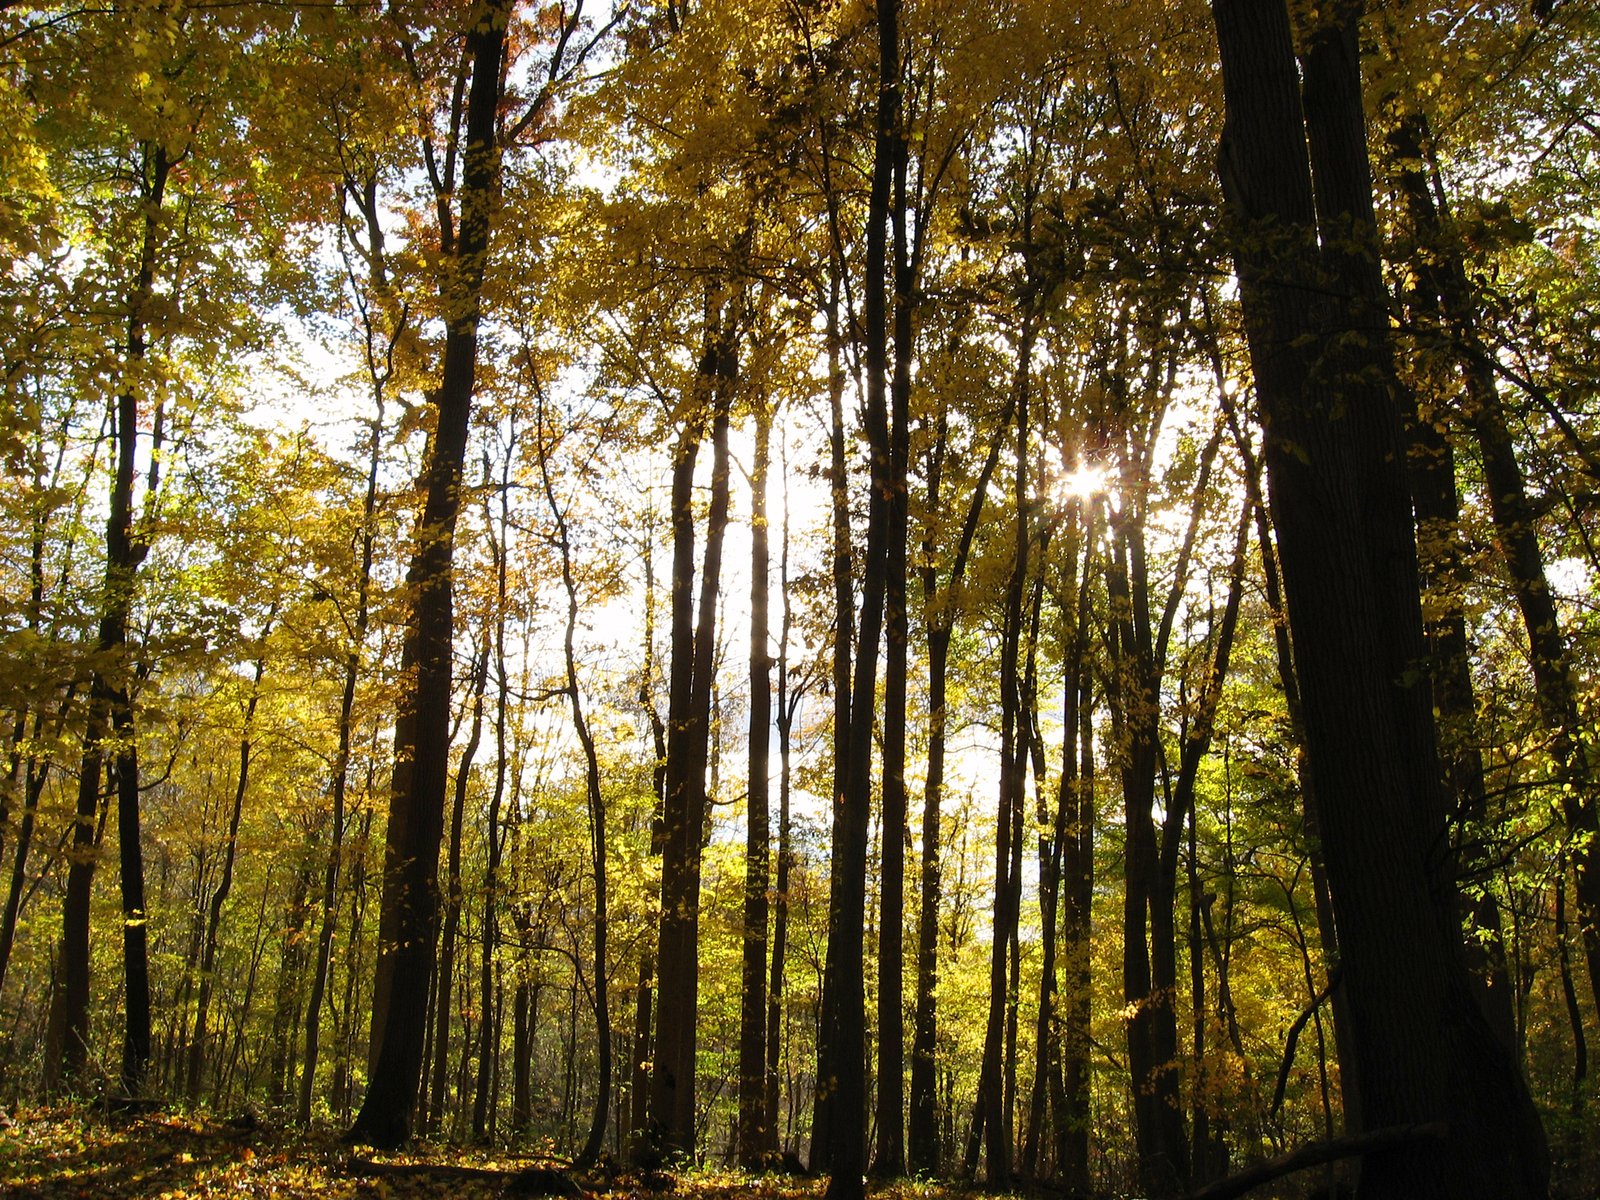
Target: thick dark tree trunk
(671, 1131)
(524, 1009)
(407, 924)
(433, 1102)
(846, 965)
(1336, 464)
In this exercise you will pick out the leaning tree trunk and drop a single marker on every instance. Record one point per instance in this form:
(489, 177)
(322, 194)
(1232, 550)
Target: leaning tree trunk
(422, 750)
(1335, 455)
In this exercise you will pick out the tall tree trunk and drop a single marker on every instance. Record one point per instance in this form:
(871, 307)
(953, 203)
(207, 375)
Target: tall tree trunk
(489, 985)
(1077, 876)
(923, 1142)
(407, 925)
(788, 705)
(124, 554)
(672, 1081)
(213, 917)
(847, 1133)
(844, 624)
(753, 1135)
(598, 990)
(991, 1117)
(890, 1160)
(379, 370)
(1138, 646)
(111, 711)
(291, 966)
(444, 979)
(638, 1142)
(1052, 860)
(1336, 465)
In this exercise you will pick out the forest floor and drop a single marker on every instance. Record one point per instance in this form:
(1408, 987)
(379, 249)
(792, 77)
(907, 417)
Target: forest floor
(76, 1154)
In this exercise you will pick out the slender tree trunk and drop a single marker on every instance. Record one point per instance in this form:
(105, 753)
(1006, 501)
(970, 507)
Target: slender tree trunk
(788, 704)
(890, 1160)
(1077, 870)
(30, 767)
(843, 642)
(638, 1142)
(923, 1144)
(489, 986)
(124, 554)
(1013, 772)
(213, 918)
(1438, 513)
(327, 927)
(1569, 994)
(1052, 860)
(753, 1134)
(597, 816)
(291, 966)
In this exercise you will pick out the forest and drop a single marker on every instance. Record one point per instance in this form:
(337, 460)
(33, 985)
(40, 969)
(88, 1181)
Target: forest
(1000, 593)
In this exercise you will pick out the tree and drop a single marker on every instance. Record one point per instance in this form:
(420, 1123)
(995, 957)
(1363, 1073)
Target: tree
(1293, 171)
(416, 808)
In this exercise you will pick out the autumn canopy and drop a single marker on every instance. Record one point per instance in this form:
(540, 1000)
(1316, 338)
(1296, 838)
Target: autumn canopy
(977, 591)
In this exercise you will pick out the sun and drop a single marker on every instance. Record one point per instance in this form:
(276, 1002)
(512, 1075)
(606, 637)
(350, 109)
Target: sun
(1084, 482)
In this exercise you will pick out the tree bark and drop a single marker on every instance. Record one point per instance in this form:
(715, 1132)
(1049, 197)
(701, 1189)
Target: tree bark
(407, 925)
(671, 1130)
(752, 1133)
(1336, 464)
(443, 989)
(847, 1131)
